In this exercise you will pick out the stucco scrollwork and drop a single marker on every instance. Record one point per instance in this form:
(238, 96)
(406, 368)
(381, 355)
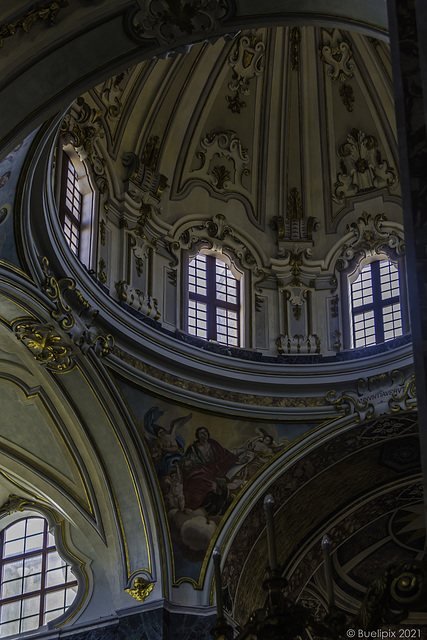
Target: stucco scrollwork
(247, 62)
(83, 128)
(13, 504)
(224, 161)
(371, 234)
(336, 53)
(74, 313)
(172, 21)
(45, 343)
(362, 167)
(111, 91)
(377, 395)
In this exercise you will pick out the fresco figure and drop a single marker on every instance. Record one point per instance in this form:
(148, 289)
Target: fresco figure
(174, 498)
(204, 466)
(166, 446)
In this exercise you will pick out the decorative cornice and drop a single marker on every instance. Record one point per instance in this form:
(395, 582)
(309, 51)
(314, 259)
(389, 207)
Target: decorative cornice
(46, 12)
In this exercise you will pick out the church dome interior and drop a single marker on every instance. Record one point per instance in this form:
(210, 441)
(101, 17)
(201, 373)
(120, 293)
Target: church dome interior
(207, 356)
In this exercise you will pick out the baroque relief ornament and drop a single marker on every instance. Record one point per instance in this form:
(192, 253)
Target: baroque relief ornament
(247, 62)
(141, 589)
(46, 11)
(45, 343)
(225, 147)
(370, 235)
(336, 53)
(173, 21)
(362, 167)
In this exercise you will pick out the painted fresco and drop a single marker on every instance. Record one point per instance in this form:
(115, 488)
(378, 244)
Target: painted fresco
(203, 462)
(10, 169)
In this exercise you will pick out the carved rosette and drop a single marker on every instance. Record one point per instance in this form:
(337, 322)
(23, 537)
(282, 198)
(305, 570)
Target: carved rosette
(371, 235)
(362, 167)
(175, 21)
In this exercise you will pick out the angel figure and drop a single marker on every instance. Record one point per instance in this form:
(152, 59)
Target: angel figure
(174, 497)
(167, 446)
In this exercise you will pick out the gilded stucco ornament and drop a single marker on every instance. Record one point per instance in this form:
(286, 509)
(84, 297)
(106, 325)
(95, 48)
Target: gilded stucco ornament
(336, 54)
(45, 343)
(362, 167)
(73, 312)
(294, 227)
(141, 589)
(295, 40)
(377, 395)
(45, 12)
(247, 62)
(291, 272)
(370, 235)
(83, 128)
(227, 176)
(13, 504)
(173, 21)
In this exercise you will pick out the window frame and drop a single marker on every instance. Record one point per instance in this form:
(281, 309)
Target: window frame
(56, 528)
(350, 275)
(89, 199)
(213, 305)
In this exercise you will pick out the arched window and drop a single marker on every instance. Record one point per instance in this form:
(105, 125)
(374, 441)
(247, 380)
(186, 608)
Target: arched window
(75, 204)
(36, 584)
(213, 301)
(375, 309)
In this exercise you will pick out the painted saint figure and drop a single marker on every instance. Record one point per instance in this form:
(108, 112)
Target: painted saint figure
(204, 466)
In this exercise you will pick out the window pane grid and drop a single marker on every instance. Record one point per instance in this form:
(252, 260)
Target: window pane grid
(375, 304)
(31, 579)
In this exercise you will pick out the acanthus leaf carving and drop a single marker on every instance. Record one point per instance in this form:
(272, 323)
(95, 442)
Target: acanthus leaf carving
(45, 343)
(362, 167)
(294, 227)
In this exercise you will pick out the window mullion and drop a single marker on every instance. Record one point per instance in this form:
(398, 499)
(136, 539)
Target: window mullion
(378, 306)
(211, 302)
